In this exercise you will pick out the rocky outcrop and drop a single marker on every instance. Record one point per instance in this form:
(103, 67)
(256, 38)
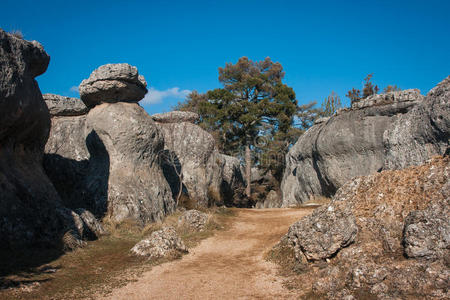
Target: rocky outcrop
(193, 220)
(31, 211)
(359, 240)
(190, 155)
(377, 133)
(113, 83)
(108, 159)
(422, 133)
(161, 243)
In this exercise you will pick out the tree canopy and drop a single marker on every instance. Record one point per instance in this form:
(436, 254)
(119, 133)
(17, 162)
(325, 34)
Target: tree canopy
(253, 111)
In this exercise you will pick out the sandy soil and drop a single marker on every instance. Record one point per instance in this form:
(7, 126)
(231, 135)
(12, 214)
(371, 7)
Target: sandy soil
(229, 265)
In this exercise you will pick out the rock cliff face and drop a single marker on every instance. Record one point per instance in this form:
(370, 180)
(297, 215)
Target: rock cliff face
(31, 211)
(109, 156)
(382, 132)
(361, 238)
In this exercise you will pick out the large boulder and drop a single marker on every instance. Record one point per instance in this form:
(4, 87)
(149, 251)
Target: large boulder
(190, 155)
(421, 133)
(66, 159)
(127, 140)
(378, 133)
(31, 211)
(64, 106)
(233, 183)
(112, 83)
(359, 240)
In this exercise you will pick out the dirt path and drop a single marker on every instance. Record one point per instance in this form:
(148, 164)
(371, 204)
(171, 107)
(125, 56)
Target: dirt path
(229, 265)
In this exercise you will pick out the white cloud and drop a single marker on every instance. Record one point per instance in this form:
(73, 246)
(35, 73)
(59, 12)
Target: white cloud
(155, 96)
(74, 89)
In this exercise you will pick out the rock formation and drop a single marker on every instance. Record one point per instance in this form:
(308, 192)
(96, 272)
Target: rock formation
(113, 83)
(233, 183)
(31, 211)
(359, 240)
(381, 132)
(109, 156)
(421, 133)
(190, 155)
(161, 243)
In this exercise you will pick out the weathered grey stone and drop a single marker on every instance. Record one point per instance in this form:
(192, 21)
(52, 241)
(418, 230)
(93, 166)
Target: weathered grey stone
(330, 153)
(427, 232)
(233, 184)
(113, 83)
(422, 133)
(64, 106)
(193, 219)
(30, 208)
(322, 234)
(126, 143)
(190, 151)
(369, 226)
(160, 244)
(176, 117)
(389, 98)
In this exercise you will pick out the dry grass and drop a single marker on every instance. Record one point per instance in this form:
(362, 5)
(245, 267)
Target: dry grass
(97, 268)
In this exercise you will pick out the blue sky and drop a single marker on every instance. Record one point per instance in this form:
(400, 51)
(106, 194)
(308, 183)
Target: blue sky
(179, 45)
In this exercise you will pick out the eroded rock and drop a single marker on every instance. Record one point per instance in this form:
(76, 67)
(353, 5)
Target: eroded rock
(113, 83)
(64, 106)
(31, 211)
(160, 244)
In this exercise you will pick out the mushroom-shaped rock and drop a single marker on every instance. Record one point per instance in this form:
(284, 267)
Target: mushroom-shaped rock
(113, 83)
(64, 106)
(176, 117)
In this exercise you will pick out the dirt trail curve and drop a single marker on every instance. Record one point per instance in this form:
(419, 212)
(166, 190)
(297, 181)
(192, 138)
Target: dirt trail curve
(229, 265)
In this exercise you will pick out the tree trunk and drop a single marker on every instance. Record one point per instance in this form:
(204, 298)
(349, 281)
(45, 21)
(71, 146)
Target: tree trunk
(248, 170)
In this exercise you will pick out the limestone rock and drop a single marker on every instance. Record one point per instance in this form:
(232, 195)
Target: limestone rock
(233, 183)
(64, 106)
(322, 234)
(427, 232)
(176, 117)
(160, 244)
(347, 145)
(113, 83)
(190, 151)
(359, 240)
(31, 211)
(124, 145)
(193, 219)
(421, 133)
(389, 98)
